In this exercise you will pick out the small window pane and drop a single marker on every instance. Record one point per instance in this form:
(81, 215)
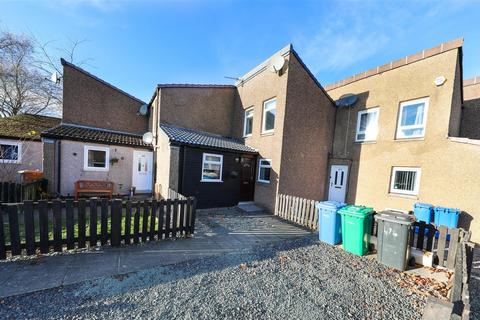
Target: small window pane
(96, 158)
(8, 152)
(413, 114)
(248, 123)
(211, 171)
(270, 119)
(212, 158)
(405, 180)
(265, 174)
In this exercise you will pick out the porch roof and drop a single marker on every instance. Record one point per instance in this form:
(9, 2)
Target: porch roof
(95, 135)
(204, 139)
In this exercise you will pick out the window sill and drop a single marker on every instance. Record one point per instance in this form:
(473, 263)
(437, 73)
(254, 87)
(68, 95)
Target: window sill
(401, 195)
(96, 169)
(210, 181)
(366, 142)
(410, 139)
(247, 136)
(10, 161)
(266, 134)
(263, 182)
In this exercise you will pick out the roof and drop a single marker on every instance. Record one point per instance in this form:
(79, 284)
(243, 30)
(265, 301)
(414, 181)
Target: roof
(71, 65)
(204, 139)
(195, 85)
(96, 135)
(26, 126)
(472, 81)
(421, 55)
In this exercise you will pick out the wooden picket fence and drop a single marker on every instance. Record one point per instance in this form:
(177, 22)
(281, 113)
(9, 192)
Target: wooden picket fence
(298, 210)
(11, 192)
(172, 194)
(39, 227)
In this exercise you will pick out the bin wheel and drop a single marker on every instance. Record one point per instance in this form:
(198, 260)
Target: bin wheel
(411, 262)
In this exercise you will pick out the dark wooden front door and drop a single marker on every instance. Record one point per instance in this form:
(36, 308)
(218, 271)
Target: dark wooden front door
(247, 179)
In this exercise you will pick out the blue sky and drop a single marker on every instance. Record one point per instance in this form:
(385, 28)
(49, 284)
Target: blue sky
(137, 44)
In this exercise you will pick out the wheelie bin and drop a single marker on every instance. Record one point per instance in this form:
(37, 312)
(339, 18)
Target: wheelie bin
(329, 222)
(356, 228)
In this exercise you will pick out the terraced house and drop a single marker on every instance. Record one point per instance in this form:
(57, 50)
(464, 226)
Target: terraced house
(397, 134)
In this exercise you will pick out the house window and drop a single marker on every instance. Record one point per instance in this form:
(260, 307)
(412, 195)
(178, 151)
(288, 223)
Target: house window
(10, 152)
(269, 112)
(412, 119)
(96, 158)
(405, 180)
(212, 167)
(264, 169)
(248, 123)
(367, 125)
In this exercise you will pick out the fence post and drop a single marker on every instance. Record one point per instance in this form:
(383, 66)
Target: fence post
(194, 211)
(116, 222)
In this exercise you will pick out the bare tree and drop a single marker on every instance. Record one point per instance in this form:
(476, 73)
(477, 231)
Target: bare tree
(25, 69)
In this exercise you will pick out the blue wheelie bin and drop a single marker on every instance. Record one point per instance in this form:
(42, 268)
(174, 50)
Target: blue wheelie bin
(446, 217)
(423, 212)
(330, 222)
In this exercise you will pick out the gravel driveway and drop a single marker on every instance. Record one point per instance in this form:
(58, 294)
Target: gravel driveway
(296, 279)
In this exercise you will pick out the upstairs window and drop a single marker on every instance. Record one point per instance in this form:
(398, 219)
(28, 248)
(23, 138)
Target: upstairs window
(269, 112)
(405, 180)
(367, 125)
(412, 119)
(212, 167)
(248, 123)
(96, 158)
(10, 152)
(264, 170)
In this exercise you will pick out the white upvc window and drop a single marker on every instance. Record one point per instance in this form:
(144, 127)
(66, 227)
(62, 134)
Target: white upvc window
(269, 113)
(264, 170)
(96, 158)
(212, 166)
(405, 180)
(367, 125)
(248, 123)
(10, 151)
(412, 119)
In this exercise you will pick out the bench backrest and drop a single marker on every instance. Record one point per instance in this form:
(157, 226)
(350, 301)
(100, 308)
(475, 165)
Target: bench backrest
(93, 185)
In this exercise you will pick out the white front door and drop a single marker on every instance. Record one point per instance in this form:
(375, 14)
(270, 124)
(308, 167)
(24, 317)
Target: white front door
(142, 171)
(338, 183)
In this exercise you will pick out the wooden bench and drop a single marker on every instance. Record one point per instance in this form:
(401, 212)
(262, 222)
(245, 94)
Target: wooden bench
(93, 186)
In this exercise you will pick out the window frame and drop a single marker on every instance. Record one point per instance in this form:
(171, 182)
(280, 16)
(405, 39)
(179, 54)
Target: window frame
(399, 134)
(245, 121)
(416, 189)
(205, 154)
(19, 152)
(359, 117)
(260, 166)
(264, 118)
(87, 148)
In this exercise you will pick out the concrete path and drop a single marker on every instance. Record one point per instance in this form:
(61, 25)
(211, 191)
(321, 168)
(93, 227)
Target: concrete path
(217, 232)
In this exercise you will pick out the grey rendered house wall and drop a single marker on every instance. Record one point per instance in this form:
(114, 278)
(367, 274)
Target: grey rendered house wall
(72, 158)
(31, 159)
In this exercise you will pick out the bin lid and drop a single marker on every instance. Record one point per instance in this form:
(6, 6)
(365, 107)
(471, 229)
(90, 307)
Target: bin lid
(332, 205)
(358, 211)
(423, 205)
(395, 217)
(448, 210)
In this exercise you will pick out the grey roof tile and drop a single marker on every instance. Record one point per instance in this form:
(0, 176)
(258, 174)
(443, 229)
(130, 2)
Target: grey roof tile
(96, 135)
(204, 139)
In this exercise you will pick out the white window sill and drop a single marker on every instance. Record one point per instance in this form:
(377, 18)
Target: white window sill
(211, 181)
(10, 161)
(403, 195)
(366, 141)
(247, 136)
(263, 181)
(267, 133)
(96, 169)
(410, 139)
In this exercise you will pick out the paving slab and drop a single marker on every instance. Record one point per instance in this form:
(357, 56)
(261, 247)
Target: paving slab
(217, 232)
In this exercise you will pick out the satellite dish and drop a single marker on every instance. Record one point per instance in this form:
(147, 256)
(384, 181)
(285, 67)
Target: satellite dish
(276, 64)
(347, 100)
(143, 110)
(147, 138)
(55, 77)
(440, 80)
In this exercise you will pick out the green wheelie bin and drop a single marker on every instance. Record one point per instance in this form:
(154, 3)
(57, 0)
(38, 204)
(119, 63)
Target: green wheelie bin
(356, 228)
(394, 232)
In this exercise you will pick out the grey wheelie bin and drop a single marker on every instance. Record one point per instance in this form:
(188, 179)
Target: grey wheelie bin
(393, 238)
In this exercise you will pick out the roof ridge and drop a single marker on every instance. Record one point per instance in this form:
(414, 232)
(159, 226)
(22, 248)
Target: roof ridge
(420, 55)
(99, 129)
(472, 81)
(200, 131)
(194, 85)
(66, 63)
